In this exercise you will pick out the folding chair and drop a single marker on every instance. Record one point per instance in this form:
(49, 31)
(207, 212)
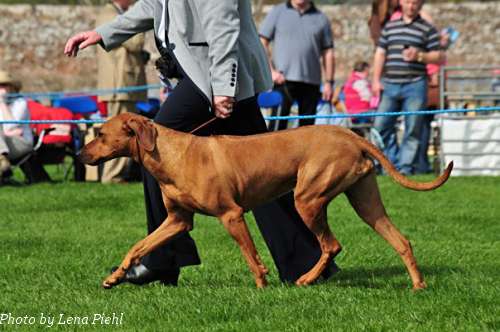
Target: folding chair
(82, 107)
(148, 108)
(54, 140)
(33, 171)
(268, 101)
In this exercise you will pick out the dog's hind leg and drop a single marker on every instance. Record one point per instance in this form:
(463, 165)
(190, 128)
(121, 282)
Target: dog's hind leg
(235, 224)
(364, 196)
(315, 188)
(314, 216)
(178, 221)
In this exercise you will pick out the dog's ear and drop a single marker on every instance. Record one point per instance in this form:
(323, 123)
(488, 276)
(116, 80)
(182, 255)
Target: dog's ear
(145, 132)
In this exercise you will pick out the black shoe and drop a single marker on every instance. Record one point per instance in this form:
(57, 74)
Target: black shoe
(141, 275)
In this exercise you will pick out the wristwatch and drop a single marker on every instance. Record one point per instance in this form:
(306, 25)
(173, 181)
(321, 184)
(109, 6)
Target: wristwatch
(420, 57)
(331, 82)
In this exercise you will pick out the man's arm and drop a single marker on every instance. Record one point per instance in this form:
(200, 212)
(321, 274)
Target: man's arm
(431, 57)
(378, 67)
(328, 60)
(432, 52)
(413, 54)
(277, 76)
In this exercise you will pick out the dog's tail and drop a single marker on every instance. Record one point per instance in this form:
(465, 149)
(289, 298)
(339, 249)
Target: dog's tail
(375, 153)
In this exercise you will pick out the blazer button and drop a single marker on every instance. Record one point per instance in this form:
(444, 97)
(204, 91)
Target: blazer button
(232, 84)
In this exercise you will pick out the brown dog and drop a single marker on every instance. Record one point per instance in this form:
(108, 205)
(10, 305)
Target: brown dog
(224, 176)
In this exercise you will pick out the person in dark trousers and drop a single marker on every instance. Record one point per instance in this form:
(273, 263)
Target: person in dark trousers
(301, 37)
(213, 46)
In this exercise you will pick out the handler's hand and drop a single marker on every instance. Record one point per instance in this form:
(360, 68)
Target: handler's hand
(80, 41)
(410, 54)
(223, 106)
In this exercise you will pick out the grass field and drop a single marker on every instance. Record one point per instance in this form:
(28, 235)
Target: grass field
(57, 242)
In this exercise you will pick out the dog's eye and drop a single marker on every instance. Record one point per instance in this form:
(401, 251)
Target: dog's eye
(100, 134)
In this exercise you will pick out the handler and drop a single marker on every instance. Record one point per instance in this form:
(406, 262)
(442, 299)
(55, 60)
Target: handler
(214, 47)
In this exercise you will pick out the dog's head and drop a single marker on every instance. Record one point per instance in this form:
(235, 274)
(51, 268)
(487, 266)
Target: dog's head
(118, 137)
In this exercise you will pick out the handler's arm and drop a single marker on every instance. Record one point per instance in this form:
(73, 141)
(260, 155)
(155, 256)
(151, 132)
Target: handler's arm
(221, 23)
(139, 18)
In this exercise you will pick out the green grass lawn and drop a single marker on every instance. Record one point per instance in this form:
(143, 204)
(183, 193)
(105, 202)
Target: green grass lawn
(57, 242)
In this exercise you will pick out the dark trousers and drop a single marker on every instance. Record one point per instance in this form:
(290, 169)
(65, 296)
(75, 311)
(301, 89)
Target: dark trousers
(423, 165)
(307, 97)
(293, 247)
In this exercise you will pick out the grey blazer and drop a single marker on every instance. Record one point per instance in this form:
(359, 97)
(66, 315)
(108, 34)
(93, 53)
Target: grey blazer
(215, 42)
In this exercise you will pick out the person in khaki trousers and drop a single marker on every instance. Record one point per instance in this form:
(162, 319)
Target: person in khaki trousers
(121, 67)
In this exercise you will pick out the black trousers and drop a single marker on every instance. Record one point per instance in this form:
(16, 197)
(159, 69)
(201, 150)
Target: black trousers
(307, 97)
(293, 247)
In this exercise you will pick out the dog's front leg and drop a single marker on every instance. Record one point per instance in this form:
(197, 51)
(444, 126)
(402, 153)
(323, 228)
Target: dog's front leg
(237, 227)
(174, 224)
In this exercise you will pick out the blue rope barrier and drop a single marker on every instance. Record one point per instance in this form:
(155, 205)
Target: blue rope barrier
(79, 93)
(294, 117)
(375, 114)
(52, 121)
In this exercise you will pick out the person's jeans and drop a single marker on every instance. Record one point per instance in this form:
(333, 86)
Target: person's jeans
(408, 97)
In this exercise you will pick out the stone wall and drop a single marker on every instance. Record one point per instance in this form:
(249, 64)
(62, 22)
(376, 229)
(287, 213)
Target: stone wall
(32, 40)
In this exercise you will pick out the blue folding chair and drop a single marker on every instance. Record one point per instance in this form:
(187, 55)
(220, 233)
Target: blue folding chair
(148, 108)
(270, 102)
(270, 99)
(82, 105)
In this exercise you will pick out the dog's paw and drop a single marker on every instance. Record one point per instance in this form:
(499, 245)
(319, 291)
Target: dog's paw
(419, 286)
(106, 284)
(110, 282)
(261, 282)
(305, 280)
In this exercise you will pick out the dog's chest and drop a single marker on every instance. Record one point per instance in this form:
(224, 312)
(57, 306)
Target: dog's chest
(182, 199)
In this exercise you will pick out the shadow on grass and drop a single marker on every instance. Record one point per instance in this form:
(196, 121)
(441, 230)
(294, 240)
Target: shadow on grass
(379, 277)
(373, 278)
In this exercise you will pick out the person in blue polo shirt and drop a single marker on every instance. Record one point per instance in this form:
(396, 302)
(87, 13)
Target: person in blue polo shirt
(301, 36)
(405, 46)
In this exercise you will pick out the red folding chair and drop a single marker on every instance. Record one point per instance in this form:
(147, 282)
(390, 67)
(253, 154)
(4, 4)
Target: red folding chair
(54, 140)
